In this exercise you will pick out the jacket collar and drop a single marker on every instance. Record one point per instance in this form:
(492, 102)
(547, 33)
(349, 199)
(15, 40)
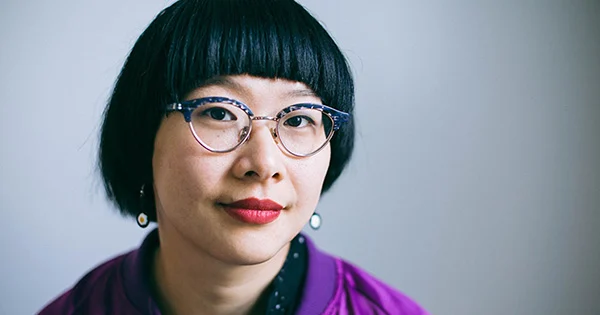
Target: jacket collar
(137, 275)
(321, 281)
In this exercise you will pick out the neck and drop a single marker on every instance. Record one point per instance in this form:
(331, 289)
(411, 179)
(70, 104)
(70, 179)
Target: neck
(191, 282)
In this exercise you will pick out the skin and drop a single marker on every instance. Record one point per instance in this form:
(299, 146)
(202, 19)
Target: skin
(208, 262)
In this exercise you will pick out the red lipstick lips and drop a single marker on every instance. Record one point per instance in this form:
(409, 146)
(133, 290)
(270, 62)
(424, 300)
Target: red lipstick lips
(253, 210)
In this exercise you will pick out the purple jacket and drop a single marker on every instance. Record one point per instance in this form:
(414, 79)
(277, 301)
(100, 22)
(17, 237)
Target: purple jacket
(333, 286)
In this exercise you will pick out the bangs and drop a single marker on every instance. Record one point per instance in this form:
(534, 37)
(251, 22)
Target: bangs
(264, 38)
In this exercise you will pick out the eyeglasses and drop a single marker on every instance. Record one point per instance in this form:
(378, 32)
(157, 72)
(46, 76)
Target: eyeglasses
(222, 124)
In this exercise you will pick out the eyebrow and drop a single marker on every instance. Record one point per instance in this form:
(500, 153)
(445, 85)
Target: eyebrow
(231, 84)
(301, 92)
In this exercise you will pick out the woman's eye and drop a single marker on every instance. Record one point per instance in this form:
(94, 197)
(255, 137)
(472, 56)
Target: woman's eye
(219, 113)
(298, 121)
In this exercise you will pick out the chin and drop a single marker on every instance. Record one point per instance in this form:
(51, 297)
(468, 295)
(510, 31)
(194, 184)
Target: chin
(247, 258)
(251, 248)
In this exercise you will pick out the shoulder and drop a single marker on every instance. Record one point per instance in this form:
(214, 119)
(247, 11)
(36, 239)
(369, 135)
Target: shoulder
(361, 293)
(335, 286)
(96, 293)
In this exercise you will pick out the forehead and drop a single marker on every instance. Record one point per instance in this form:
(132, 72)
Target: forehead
(249, 89)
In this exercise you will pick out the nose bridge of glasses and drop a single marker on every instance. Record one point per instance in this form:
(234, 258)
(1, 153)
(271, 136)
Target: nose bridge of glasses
(272, 131)
(264, 118)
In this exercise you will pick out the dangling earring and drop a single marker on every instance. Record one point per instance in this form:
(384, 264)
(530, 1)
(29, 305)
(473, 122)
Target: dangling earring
(142, 218)
(315, 221)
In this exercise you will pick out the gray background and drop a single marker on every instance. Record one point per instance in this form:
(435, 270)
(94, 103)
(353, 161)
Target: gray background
(475, 186)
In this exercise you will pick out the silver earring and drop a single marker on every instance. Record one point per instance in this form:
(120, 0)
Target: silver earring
(315, 221)
(142, 218)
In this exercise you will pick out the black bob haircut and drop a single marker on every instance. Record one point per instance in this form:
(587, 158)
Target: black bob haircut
(195, 40)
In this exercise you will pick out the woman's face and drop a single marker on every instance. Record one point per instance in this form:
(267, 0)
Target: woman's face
(197, 191)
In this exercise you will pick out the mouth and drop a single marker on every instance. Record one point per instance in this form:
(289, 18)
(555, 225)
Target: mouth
(253, 210)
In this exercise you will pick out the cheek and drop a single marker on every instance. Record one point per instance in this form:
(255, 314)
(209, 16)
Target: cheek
(187, 173)
(309, 178)
(183, 172)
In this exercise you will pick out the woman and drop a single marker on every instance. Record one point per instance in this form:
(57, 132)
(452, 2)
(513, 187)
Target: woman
(228, 121)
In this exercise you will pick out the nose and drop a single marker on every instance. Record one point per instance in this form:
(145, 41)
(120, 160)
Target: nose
(260, 157)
